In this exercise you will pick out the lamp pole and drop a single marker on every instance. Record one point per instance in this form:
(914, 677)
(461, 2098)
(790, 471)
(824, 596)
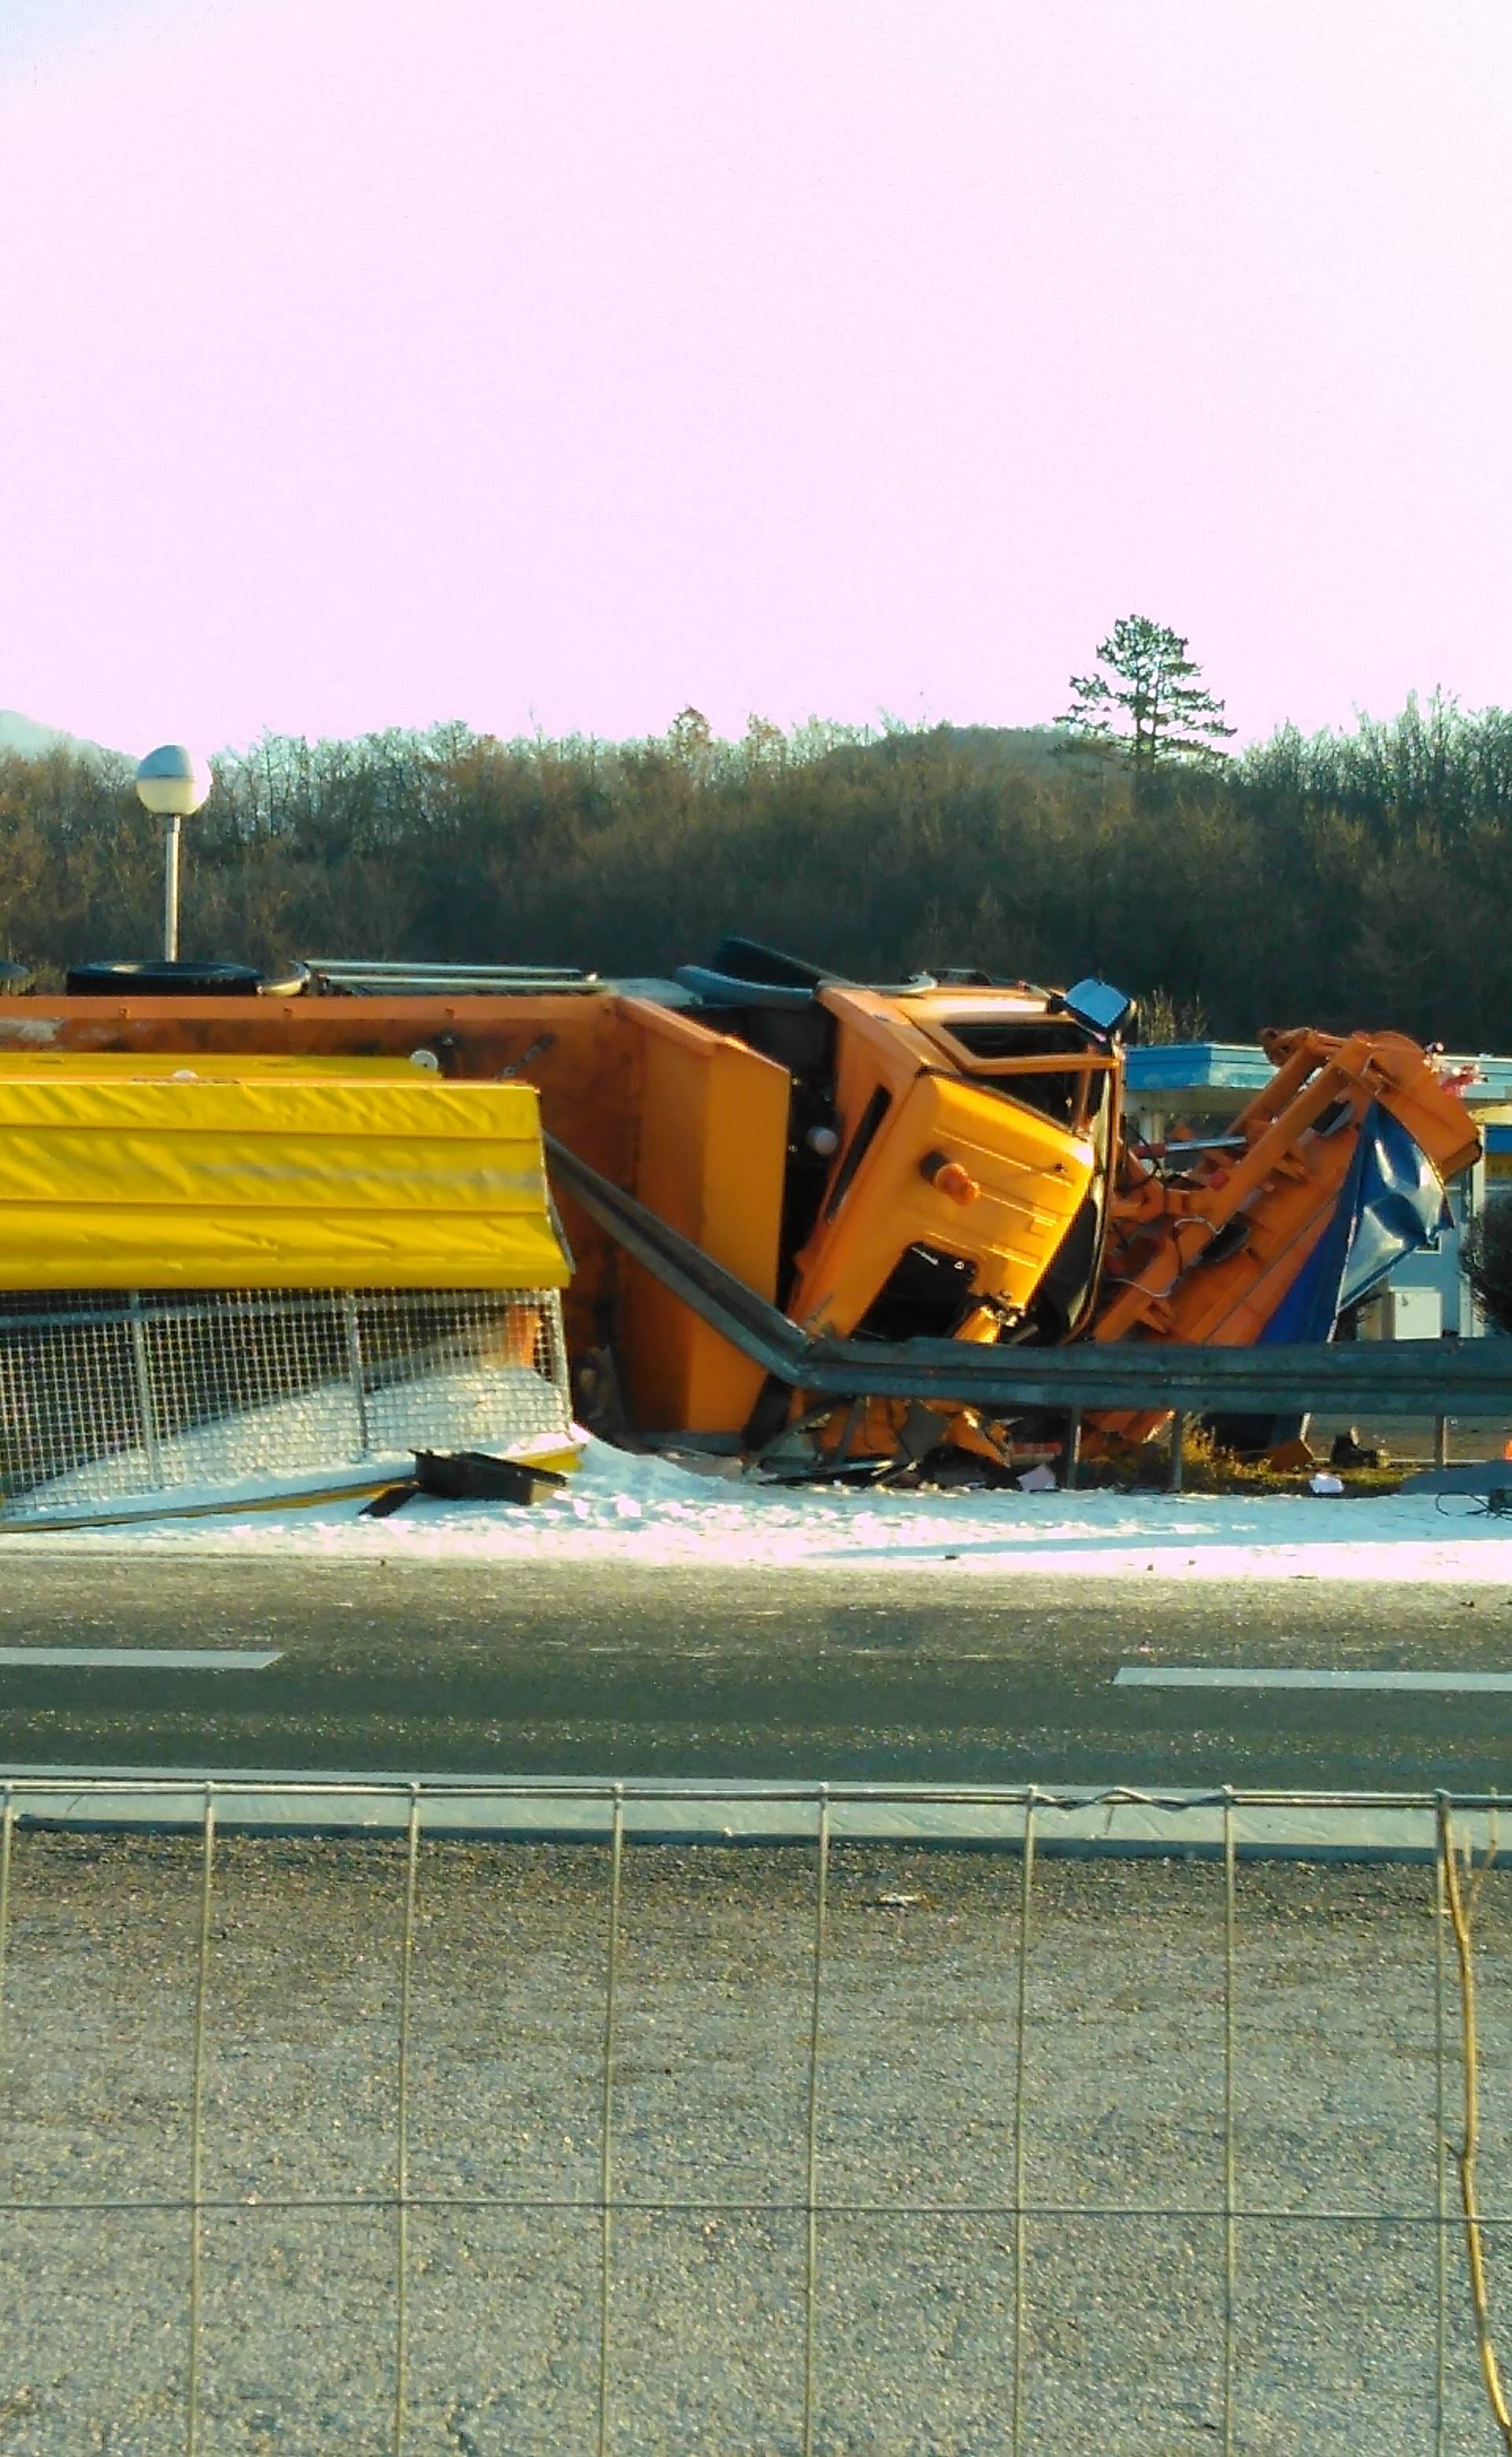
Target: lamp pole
(172, 783)
(175, 831)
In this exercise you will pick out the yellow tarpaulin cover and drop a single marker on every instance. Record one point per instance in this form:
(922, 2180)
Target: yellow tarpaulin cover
(275, 1183)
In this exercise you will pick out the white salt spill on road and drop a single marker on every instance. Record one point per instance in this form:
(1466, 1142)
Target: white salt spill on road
(630, 1511)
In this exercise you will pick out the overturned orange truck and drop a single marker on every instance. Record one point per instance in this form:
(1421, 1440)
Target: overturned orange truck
(755, 1145)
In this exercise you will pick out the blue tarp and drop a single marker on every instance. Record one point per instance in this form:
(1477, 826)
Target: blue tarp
(1392, 1206)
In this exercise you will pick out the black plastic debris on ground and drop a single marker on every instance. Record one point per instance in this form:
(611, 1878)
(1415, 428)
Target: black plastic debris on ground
(468, 1475)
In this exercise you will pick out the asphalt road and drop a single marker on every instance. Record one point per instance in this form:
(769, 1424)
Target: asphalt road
(483, 1669)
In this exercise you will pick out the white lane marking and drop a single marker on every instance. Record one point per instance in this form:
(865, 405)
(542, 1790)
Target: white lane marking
(1222, 1676)
(143, 1659)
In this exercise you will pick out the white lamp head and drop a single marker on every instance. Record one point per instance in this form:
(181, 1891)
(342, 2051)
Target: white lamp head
(171, 781)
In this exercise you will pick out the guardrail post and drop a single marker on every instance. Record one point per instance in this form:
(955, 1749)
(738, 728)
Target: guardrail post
(1440, 1441)
(1073, 1451)
(1178, 1441)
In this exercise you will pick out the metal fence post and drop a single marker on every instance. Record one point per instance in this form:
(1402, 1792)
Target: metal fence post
(1073, 1451)
(1021, 2168)
(1179, 1440)
(401, 2131)
(606, 2142)
(810, 2149)
(555, 1341)
(8, 1818)
(197, 2122)
(354, 1367)
(1229, 2163)
(146, 1402)
(1440, 2126)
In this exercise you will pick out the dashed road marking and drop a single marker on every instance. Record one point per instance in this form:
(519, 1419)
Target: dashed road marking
(139, 1659)
(1227, 1676)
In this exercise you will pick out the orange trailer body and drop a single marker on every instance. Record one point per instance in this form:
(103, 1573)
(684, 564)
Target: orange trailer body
(693, 1123)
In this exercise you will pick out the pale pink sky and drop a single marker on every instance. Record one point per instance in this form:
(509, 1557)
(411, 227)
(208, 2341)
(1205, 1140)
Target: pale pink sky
(374, 361)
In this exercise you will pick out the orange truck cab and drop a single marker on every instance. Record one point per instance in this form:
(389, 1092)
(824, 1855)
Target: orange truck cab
(951, 1150)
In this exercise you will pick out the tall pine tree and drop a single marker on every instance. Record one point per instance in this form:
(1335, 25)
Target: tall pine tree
(1146, 702)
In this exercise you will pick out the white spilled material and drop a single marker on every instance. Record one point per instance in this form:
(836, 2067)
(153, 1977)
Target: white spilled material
(646, 1513)
(457, 1407)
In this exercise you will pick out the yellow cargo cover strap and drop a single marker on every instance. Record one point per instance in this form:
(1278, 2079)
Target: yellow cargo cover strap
(184, 1064)
(276, 1184)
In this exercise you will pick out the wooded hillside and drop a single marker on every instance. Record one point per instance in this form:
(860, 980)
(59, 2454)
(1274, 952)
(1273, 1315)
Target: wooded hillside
(1355, 877)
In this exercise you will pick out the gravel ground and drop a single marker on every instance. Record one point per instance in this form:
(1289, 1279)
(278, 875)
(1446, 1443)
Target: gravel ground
(1335, 2083)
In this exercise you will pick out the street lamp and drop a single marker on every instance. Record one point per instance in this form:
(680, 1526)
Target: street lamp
(171, 782)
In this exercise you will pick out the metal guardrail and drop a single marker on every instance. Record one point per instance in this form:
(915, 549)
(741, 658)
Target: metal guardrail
(1409, 1378)
(1017, 2085)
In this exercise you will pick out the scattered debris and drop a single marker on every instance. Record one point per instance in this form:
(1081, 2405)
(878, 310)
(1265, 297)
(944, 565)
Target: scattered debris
(476, 1475)
(468, 1475)
(393, 1497)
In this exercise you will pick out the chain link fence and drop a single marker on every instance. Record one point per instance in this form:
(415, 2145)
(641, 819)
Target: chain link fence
(114, 1396)
(400, 2143)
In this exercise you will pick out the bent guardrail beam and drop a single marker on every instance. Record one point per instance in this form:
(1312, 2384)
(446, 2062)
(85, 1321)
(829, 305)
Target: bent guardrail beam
(1410, 1378)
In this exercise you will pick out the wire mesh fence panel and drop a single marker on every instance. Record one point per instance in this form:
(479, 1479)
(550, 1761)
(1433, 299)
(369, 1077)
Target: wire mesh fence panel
(70, 1399)
(452, 1374)
(122, 1396)
(407, 2142)
(244, 1388)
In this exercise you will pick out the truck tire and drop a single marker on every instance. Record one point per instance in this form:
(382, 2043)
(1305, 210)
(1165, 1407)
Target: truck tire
(157, 977)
